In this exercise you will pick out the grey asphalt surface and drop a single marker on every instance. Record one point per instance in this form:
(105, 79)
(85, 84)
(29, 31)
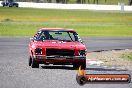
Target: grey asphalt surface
(107, 43)
(15, 72)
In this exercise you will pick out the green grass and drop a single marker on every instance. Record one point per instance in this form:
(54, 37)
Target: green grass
(127, 56)
(25, 21)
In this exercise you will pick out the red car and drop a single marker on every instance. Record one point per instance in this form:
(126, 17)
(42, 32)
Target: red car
(57, 46)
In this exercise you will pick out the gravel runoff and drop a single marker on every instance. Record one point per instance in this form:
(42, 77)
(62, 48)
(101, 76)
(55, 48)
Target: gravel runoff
(112, 58)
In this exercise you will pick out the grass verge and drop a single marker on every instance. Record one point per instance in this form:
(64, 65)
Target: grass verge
(26, 21)
(127, 56)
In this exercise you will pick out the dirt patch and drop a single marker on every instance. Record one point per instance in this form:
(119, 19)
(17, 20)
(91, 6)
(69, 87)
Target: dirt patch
(112, 58)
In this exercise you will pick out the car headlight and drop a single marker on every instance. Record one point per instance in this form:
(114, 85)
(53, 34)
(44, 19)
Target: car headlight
(82, 52)
(38, 51)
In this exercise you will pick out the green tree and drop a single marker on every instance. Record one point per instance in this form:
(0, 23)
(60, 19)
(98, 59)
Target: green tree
(130, 2)
(81, 1)
(62, 1)
(95, 1)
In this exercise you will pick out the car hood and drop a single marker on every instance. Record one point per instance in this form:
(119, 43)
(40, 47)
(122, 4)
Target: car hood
(59, 45)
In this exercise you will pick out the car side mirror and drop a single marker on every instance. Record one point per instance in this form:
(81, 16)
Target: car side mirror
(82, 42)
(31, 39)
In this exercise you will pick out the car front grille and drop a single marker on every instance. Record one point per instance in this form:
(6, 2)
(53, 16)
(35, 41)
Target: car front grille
(60, 52)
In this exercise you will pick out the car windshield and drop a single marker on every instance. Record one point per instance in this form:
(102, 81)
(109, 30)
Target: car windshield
(68, 36)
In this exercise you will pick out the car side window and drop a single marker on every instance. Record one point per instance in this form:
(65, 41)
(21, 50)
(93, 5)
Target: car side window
(36, 36)
(77, 38)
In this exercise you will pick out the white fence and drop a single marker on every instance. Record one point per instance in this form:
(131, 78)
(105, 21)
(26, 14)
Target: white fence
(120, 7)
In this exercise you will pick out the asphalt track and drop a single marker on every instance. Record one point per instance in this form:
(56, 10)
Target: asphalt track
(15, 72)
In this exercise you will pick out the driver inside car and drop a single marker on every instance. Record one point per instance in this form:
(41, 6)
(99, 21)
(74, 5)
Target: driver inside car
(46, 36)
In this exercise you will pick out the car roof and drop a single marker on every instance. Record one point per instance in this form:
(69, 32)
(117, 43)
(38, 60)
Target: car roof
(55, 29)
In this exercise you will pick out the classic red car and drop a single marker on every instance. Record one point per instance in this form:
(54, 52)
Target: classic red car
(57, 46)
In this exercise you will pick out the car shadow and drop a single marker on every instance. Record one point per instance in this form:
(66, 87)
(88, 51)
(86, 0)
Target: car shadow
(58, 67)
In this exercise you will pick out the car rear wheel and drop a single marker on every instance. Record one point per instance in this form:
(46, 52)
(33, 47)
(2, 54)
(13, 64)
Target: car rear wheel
(34, 64)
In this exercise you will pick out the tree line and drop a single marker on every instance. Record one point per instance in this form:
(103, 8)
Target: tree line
(62, 1)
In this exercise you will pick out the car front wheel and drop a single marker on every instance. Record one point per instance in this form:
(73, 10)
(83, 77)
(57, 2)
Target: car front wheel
(83, 65)
(30, 61)
(34, 64)
(77, 65)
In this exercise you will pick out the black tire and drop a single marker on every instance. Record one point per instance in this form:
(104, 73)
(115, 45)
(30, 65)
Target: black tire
(10, 6)
(30, 61)
(3, 5)
(77, 65)
(83, 65)
(34, 64)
